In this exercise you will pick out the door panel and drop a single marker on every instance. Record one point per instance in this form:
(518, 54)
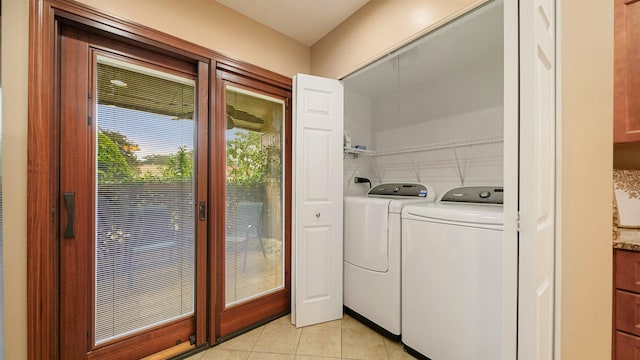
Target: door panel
(254, 240)
(128, 154)
(74, 251)
(145, 213)
(255, 246)
(318, 204)
(537, 180)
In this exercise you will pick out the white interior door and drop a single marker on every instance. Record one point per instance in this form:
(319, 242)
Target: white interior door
(317, 200)
(537, 179)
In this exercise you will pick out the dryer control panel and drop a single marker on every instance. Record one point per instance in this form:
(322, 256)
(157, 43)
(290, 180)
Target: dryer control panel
(475, 195)
(399, 189)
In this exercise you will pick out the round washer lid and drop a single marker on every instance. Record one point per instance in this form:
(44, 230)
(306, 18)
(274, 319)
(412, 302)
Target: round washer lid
(473, 214)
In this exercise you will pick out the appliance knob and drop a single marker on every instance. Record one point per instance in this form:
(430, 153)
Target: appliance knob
(396, 189)
(485, 194)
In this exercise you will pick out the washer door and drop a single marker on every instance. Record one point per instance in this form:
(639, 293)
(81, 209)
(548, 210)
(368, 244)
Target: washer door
(366, 232)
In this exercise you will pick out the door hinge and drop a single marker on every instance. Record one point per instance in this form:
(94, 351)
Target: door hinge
(518, 221)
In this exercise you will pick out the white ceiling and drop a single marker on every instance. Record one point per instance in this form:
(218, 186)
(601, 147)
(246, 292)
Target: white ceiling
(304, 20)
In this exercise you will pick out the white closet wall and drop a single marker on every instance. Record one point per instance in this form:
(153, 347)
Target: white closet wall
(446, 88)
(357, 122)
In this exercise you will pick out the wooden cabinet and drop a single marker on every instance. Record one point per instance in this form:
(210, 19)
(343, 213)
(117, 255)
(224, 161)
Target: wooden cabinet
(626, 83)
(626, 305)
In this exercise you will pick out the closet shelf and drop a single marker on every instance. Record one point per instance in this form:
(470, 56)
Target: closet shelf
(419, 158)
(440, 146)
(426, 147)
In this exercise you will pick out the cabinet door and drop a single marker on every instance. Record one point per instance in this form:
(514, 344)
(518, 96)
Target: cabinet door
(628, 312)
(626, 105)
(627, 274)
(627, 347)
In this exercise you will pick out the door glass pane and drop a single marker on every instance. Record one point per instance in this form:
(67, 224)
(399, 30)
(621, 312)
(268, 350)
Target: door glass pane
(144, 234)
(254, 201)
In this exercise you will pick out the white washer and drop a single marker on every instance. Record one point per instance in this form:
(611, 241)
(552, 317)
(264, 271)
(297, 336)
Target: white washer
(452, 276)
(372, 252)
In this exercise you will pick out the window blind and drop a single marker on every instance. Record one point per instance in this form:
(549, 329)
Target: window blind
(144, 213)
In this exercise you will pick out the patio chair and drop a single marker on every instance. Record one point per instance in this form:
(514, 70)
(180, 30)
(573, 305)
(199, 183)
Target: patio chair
(245, 228)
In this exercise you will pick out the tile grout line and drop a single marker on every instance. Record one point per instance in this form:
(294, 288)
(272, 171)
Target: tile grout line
(257, 338)
(386, 348)
(295, 354)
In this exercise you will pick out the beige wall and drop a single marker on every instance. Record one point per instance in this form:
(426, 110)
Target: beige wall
(15, 39)
(587, 133)
(216, 27)
(376, 29)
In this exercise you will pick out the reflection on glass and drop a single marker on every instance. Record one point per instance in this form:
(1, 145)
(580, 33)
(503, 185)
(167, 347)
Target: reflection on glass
(144, 235)
(254, 200)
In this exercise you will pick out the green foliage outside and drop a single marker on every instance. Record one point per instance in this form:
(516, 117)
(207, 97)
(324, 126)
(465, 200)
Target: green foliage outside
(112, 164)
(118, 163)
(246, 160)
(125, 146)
(248, 163)
(179, 166)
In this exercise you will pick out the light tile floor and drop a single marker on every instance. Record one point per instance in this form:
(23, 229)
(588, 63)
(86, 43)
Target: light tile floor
(340, 339)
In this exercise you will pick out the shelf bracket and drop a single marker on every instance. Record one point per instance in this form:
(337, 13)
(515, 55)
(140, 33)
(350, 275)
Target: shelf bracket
(460, 168)
(415, 167)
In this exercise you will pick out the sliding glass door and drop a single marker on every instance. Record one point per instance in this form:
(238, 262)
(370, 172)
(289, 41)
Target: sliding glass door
(129, 180)
(255, 235)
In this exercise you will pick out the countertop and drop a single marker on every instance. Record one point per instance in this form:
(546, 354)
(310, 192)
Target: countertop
(628, 239)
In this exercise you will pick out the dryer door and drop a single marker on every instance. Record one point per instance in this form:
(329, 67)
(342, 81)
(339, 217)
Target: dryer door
(366, 232)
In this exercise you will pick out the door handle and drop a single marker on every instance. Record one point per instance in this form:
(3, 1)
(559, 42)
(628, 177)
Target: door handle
(69, 199)
(202, 211)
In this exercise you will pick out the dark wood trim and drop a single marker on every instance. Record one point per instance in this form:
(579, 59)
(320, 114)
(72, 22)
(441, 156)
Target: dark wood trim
(136, 347)
(42, 182)
(159, 41)
(261, 75)
(242, 316)
(202, 175)
(43, 177)
(212, 216)
(253, 85)
(218, 197)
(613, 305)
(171, 64)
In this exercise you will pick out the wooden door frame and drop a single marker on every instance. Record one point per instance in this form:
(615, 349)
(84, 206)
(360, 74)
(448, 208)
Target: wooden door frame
(42, 172)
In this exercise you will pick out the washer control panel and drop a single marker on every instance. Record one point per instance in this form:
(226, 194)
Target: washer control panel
(399, 189)
(475, 195)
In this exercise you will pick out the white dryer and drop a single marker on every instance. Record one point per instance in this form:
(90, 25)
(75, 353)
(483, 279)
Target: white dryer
(372, 253)
(452, 276)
